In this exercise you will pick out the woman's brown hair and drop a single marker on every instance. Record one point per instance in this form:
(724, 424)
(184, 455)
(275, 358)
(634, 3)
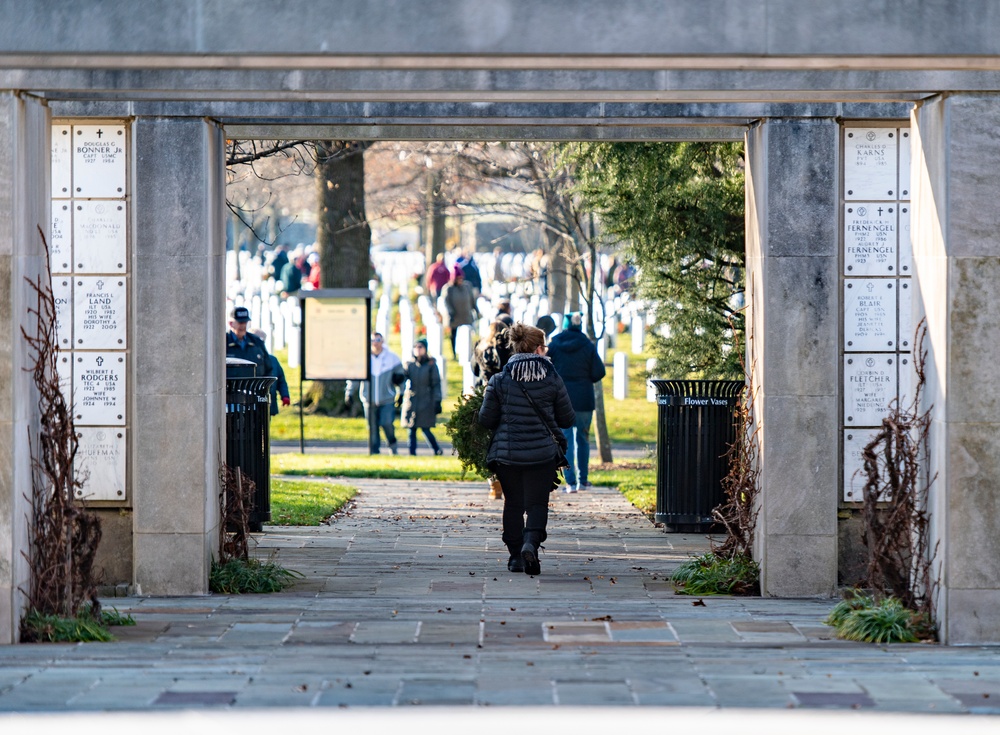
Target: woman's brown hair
(524, 338)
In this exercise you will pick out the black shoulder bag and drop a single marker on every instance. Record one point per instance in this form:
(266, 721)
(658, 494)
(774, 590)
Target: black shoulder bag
(557, 437)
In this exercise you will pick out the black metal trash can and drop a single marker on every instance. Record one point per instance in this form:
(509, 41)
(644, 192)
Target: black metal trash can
(248, 427)
(696, 428)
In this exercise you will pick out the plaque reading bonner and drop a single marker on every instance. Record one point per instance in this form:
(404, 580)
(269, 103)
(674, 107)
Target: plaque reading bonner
(99, 237)
(100, 463)
(870, 163)
(99, 388)
(99, 312)
(99, 161)
(869, 314)
(870, 239)
(869, 388)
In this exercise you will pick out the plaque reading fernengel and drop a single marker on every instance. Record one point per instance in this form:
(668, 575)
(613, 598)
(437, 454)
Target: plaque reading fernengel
(869, 314)
(100, 463)
(62, 157)
(62, 293)
(855, 440)
(99, 312)
(336, 336)
(99, 237)
(60, 243)
(869, 388)
(870, 163)
(904, 163)
(99, 388)
(99, 161)
(905, 242)
(870, 239)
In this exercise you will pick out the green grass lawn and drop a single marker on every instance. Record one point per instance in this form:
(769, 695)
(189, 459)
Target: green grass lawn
(306, 502)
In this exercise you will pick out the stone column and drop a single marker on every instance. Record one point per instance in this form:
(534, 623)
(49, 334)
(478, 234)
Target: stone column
(179, 397)
(956, 247)
(793, 297)
(24, 206)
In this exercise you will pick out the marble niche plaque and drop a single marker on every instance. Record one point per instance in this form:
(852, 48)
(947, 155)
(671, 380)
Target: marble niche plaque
(64, 371)
(905, 315)
(62, 158)
(869, 388)
(869, 314)
(905, 243)
(99, 161)
(99, 312)
(870, 163)
(62, 293)
(100, 463)
(855, 440)
(99, 388)
(60, 242)
(870, 239)
(99, 237)
(904, 163)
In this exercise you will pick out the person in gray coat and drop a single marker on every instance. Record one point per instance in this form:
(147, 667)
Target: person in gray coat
(422, 396)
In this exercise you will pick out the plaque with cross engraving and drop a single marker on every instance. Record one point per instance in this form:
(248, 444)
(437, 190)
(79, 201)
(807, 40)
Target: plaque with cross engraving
(905, 243)
(855, 440)
(869, 314)
(870, 163)
(62, 294)
(62, 158)
(99, 161)
(904, 163)
(869, 388)
(99, 388)
(905, 297)
(99, 312)
(60, 241)
(870, 239)
(99, 237)
(100, 463)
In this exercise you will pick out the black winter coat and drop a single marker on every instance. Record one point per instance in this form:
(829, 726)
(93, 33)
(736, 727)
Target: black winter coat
(520, 437)
(576, 360)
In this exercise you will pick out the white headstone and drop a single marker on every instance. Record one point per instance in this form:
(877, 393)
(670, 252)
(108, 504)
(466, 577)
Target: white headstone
(650, 390)
(464, 344)
(294, 336)
(638, 333)
(468, 379)
(620, 369)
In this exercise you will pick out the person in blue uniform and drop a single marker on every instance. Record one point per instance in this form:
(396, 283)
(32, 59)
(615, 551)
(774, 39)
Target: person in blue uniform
(244, 345)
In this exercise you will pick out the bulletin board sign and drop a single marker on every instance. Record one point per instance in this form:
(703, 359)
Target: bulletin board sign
(336, 329)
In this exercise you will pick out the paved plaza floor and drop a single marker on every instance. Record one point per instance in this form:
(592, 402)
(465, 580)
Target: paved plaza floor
(406, 600)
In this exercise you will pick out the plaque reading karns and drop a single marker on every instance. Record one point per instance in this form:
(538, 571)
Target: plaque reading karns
(99, 161)
(99, 388)
(870, 239)
(869, 388)
(100, 463)
(62, 294)
(870, 163)
(855, 440)
(99, 312)
(99, 237)
(61, 161)
(905, 242)
(60, 241)
(869, 314)
(904, 163)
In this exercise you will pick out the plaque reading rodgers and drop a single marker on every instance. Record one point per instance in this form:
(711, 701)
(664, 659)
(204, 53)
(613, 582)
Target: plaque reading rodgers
(870, 163)
(869, 314)
(99, 388)
(903, 184)
(870, 239)
(100, 463)
(62, 157)
(62, 293)
(99, 237)
(60, 243)
(99, 312)
(869, 387)
(99, 161)
(855, 440)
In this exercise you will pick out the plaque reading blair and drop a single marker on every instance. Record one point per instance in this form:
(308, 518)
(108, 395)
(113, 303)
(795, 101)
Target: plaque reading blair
(62, 157)
(100, 463)
(60, 243)
(62, 294)
(869, 388)
(99, 388)
(904, 163)
(869, 314)
(99, 161)
(99, 312)
(870, 163)
(870, 239)
(905, 243)
(99, 237)
(905, 315)
(855, 440)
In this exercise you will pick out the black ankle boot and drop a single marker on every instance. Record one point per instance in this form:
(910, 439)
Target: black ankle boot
(514, 563)
(529, 555)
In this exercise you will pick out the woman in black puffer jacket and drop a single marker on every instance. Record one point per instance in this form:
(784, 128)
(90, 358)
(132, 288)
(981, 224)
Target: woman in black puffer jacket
(526, 446)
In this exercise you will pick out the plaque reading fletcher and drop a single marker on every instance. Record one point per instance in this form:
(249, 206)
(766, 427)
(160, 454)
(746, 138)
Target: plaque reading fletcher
(855, 440)
(869, 388)
(60, 244)
(62, 293)
(99, 312)
(870, 163)
(100, 463)
(870, 239)
(99, 237)
(99, 389)
(62, 157)
(869, 314)
(99, 161)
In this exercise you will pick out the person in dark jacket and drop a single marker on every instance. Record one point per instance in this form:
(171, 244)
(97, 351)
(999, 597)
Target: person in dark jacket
(576, 360)
(491, 353)
(280, 386)
(524, 405)
(422, 396)
(244, 345)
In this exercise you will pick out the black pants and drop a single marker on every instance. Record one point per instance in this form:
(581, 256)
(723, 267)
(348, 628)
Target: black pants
(431, 439)
(525, 494)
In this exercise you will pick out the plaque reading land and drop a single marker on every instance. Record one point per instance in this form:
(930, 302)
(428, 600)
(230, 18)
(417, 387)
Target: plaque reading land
(99, 161)
(869, 387)
(62, 293)
(99, 312)
(870, 239)
(870, 163)
(62, 157)
(99, 388)
(869, 314)
(905, 243)
(855, 440)
(904, 163)
(99, 237)
(60, 242)
(100, 463)
(905, 316)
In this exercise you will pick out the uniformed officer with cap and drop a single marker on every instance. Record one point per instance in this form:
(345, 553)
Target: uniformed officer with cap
(244, 345)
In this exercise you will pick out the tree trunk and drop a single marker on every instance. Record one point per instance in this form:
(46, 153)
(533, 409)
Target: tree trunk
(435, 220)
(590, 293)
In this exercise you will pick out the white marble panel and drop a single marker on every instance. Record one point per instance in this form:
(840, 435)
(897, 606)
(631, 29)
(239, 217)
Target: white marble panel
(64, 371)
(870, 239)
(99, 237)
(903, 186)
(870, 163)
(869, 314)
(62, 293)
(905, 242)
(907, 381)
(99, 388)
(62, 159)
(100, 463)
(869, 387)
(60, 238)
(99, 167)
(905, 315)
(855, 440)
(99, 312)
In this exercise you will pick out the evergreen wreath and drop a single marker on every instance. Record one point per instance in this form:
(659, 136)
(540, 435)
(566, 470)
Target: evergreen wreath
(469, 440)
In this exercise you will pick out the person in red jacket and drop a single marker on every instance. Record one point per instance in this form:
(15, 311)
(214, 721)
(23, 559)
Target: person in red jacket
(438, 276)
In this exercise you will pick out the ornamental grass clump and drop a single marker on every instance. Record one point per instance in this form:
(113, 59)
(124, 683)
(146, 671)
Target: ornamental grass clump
(861, 617)
(88, 626)
(712, 574)
(249, 576)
